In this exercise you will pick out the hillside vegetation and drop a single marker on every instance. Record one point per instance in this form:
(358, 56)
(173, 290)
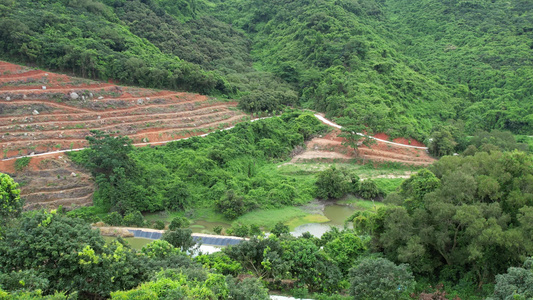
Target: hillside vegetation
(400, 67)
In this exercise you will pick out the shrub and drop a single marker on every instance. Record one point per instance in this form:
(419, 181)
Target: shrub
(113, 219)
(22, 163)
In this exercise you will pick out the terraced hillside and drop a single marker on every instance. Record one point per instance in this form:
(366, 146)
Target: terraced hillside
(43, 112)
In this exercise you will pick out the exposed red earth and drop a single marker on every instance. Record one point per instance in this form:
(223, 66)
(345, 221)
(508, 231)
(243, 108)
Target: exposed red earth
(329, 148)
(43, 112)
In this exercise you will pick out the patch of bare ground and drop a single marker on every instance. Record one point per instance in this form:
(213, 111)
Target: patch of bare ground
(43, 112)
(50, 181)
(329, 148)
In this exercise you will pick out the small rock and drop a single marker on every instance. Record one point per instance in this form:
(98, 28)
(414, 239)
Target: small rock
(8, 98)
(90, 95)
(140, 101)
(24, 97)
(44, 87)
(60, 135)
(83, 98)
(145, 140)
(147, 99)
(25, 134)
(60, 157)
(45, 74)
(33, 153)
(73, 174)
(100, 98)
(74, 96)
(98, 117)
(35, 112)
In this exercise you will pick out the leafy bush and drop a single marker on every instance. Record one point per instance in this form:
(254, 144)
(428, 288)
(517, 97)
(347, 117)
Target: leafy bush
(22, 163)
(380, 279)
(113, 219)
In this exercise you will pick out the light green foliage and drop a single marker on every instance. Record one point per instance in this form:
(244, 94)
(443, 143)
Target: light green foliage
(345, 249)
(220, 262)
(517, 283)
(159, 249)
(380, 279)
(133, 219)
(229, 170)
(483, 55)
(10, 202)
(172, 284)
(22, 163)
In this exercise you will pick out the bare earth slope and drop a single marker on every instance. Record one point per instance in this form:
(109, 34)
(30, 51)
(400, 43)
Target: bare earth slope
(43, 112)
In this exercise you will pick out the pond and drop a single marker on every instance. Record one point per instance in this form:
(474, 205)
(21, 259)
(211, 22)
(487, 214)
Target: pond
(335, 212)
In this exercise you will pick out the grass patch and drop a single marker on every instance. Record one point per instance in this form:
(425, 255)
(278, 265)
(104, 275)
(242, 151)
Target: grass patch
(360, 204)
(269, 218)
(204, 214)
(388, 185)
(306, 219)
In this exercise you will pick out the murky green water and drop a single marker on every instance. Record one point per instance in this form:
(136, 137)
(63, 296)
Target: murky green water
(200, 226)
(336, 213)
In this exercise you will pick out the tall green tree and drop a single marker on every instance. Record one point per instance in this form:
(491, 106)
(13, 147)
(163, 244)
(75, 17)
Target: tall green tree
(10, 202)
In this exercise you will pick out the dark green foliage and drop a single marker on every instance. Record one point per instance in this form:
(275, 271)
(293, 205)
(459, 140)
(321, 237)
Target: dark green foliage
(280, 229)
(22, 163)
(98, 45)
(517, 283)
(249, 288)
(10, 202)
(471, 222)
(159, 225)
(442, 143)
(334, 183)
(380, 279)
(113, 219)
(217, 229)
(133, 219)
(180, 238)
(179, 222)
(26, 280)
(368, 189)
(70, 255)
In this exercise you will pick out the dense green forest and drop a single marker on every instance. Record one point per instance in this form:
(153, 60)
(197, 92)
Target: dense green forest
(225, 169)
(455, 73)
(397, 67)
(461, 228)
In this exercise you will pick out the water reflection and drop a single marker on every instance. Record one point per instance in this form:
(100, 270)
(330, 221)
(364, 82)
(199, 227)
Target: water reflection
(336, 213)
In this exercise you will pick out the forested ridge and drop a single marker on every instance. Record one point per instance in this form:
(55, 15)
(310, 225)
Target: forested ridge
(456, 73)
(398, 67)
